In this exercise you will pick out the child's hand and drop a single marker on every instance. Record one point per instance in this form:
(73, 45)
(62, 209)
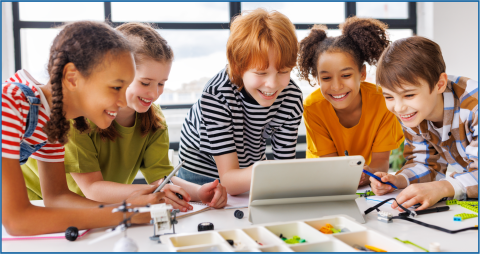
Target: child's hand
(171, 197)
(146, 196)
(426, 194)
(365, 179)
(213, 194)
(381, 189)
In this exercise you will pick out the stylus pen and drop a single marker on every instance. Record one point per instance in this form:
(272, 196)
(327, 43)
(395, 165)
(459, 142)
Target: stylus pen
(378, 178)
(431, 210)
(169, 177)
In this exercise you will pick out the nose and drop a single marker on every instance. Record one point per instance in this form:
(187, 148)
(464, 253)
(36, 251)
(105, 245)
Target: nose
(155, 91)
(271, 81)
(399, 106)
(336, 85)
(122, 100)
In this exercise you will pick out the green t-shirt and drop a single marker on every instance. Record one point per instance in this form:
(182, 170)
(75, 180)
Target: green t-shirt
(119, 161)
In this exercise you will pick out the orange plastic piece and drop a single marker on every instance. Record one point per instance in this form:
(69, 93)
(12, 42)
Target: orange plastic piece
(327, 229)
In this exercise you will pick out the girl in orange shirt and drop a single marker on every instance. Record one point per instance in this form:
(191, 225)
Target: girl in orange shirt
(346, 113)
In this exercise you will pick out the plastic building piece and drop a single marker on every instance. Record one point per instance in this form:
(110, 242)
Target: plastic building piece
(231, 242)
(71, 233)
(434, 247)
(408, 242)
(470, 205)
(367, 193)
(329, 229)
(238, 214)
(463, 216)
(384, 217)
(374, 248)
(344, 230)
(334, 230)
(161, 218)
(204, 226)
(294, 240)
(451, 202)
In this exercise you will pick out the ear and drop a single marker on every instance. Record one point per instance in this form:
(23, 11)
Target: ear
(363, 73)
(442, 83)
(70, 76)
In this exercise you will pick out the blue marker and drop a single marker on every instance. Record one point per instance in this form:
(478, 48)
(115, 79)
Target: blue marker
(372, 175)
(378, 178)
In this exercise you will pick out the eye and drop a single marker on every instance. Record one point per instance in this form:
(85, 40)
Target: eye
(117, 88)
(145, 84)
(409, 95)
(326, 78)
(346, 75)
(388, 97)
(160, 84)
(260, 73)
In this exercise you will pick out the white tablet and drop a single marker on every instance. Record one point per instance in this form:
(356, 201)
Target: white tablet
(305, 188)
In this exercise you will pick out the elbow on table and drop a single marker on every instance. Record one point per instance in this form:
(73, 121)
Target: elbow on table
(233, 191)
(17, 223)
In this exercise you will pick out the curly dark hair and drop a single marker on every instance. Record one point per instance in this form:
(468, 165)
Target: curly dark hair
(147, 43)
(85, 44)
(363, 38)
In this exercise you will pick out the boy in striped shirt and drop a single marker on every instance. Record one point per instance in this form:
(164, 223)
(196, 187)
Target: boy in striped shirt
(252, 99)
(439, 115)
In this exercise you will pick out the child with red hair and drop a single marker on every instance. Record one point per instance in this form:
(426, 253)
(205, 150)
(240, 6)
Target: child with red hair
(250, 100)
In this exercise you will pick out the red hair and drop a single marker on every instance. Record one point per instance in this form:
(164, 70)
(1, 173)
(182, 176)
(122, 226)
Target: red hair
(252, 35)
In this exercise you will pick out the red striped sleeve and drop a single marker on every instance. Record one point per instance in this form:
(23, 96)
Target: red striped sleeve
(18, 78)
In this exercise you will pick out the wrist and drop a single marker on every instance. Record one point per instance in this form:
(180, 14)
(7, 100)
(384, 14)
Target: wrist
(446, 188)
(401, 181)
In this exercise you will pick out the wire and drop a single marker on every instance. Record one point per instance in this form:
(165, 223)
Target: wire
(412, 213)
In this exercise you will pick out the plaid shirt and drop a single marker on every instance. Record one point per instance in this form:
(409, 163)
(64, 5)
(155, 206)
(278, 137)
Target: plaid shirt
(428, 152)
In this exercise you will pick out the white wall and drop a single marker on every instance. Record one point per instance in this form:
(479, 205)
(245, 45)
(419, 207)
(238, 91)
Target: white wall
(8, 62)
(454, 26)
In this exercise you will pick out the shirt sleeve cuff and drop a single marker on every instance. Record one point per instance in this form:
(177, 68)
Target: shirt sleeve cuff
(460, 190)
(406, 178)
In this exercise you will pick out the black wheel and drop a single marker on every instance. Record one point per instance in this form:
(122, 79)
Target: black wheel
(71, 233)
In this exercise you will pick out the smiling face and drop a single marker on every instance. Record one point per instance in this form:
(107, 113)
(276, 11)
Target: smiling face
(413, 104)
(339, 78)
(148, 84)
(102, 93)
(265, 85)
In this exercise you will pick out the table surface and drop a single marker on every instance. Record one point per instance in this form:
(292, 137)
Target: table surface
(223, 219)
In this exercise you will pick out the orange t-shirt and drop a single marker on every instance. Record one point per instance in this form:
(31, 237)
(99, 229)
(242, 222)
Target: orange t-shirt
(377, 131)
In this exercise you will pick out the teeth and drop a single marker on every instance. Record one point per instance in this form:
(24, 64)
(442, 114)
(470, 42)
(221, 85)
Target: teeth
(147, 101)
(112, 114)
(407, 116)
(339, 97)
(267, 94)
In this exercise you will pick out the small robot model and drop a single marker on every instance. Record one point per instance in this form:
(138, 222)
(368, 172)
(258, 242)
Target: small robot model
(161, 218)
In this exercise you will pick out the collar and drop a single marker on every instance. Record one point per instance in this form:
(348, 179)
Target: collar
(448, 108)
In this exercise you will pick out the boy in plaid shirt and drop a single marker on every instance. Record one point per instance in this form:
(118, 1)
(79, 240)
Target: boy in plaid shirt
(439, 115)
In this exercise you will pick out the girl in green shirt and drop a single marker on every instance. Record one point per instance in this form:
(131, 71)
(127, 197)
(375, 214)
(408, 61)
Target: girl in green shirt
(102, 164)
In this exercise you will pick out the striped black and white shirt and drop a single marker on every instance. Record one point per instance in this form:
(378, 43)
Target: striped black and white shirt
(225, 120)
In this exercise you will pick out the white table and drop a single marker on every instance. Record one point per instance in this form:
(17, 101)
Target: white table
(224, 219)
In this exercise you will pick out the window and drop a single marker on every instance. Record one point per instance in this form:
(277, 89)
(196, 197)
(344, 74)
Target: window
(197, 32)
